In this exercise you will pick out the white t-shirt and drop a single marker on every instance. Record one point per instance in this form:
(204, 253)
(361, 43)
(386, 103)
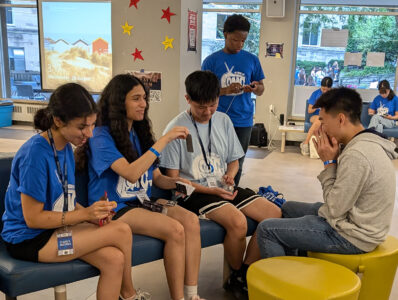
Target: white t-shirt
(225, 147)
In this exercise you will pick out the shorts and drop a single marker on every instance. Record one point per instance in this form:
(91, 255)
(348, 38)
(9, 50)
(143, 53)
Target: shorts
(130, 206)
(29, 249)
(202, 204)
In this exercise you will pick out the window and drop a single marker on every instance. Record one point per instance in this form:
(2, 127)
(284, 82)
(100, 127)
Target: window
(369, 30)
(220, 25)
(20, 70)
(310, 34)
(9, 15)
(21, 66)
(327, 31)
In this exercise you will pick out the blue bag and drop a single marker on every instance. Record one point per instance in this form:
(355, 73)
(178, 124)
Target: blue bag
(271, 195)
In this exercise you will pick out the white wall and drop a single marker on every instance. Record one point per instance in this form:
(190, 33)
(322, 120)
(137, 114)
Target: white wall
(147, 35)
(277, 71)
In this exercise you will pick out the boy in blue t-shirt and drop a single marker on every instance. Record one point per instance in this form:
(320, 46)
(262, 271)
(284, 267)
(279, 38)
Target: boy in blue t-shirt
(240, 74)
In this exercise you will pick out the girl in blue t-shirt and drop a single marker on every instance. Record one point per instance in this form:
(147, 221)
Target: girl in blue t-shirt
(384, 108)
(42, 221)
(122, 160)
(326, 85)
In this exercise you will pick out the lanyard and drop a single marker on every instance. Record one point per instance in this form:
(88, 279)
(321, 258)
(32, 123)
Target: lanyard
(209, 166)
(138, 149)
(62, 177)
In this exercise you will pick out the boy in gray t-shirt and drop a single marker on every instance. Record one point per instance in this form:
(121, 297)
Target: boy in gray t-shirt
(211, 168)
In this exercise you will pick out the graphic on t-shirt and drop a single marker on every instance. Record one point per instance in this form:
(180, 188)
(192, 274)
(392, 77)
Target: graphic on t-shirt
(382, 110)
(200, 169)
(59, 203)
(230, 77)
(126, 189)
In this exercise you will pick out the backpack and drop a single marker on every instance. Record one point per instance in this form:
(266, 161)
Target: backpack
(259, 135)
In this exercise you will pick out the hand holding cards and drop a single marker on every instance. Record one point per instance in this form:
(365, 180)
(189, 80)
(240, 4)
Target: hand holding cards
(184, 188)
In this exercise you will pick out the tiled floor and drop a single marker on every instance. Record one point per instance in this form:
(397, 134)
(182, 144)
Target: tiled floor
(289, 173)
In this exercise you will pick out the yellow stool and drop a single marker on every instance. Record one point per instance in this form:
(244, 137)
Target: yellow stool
(377, 268)
(301, 278)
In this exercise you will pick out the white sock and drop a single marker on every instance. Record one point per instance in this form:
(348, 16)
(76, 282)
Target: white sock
(190, 291)
(129, 298)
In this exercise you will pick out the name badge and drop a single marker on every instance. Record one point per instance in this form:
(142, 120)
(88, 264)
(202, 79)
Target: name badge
(211, 181)
(64, 242)
(142, 196)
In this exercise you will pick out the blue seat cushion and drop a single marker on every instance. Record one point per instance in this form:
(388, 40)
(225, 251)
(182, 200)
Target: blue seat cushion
(19, 277)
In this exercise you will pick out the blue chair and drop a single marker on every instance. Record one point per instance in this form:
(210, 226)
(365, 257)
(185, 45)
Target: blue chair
(365, 120)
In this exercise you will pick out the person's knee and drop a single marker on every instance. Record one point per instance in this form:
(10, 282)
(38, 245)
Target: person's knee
(175, 232)
(122, 231)
(113, 259)
(237, 225)
(191, 223)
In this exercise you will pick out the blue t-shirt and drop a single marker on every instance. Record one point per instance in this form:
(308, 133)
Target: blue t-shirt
(34, 173)
(225, 147)
(314, 96)
(384, 106)
(103, 153)
(242, 67)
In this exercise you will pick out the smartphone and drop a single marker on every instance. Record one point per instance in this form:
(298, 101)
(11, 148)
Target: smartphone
(188, 140)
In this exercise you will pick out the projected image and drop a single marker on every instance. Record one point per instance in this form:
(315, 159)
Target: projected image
(76, 44)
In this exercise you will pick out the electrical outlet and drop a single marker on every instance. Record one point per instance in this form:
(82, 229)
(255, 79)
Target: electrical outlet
(271, 108)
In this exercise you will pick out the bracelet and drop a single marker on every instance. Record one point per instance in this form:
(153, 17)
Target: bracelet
(330, 161)
(154, 151)
(63, 219)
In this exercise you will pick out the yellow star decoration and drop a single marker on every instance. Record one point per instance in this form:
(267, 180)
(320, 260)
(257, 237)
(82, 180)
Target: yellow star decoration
(168, 43)
(127, 28)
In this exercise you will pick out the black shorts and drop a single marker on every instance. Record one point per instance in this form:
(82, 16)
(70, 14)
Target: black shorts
(202, 204)
(29, 249)
(130, 206)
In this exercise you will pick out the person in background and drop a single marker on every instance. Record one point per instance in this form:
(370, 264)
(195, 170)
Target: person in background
(310, 81)
(302, 77)
(240, 74)
(326, 85)
(123, 160)
(384, 108)
(40, 203)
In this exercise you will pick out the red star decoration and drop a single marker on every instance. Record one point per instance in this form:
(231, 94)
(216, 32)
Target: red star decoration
(137, 54)
(167, 14)
(134, 2)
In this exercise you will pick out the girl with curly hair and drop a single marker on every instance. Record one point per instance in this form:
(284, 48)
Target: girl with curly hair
(123, 158)
(42, 220)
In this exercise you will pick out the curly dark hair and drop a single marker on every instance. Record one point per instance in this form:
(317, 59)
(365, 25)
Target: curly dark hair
(112, 113)
(236, 22)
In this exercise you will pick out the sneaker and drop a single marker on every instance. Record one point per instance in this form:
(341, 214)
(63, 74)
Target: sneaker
(305, 149)
(237, 286)
(140, 295)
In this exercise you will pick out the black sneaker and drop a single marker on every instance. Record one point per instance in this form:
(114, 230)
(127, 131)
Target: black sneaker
(237, 286)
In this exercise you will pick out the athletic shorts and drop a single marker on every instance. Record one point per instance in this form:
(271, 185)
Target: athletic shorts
(29, 249)
(202, 204)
